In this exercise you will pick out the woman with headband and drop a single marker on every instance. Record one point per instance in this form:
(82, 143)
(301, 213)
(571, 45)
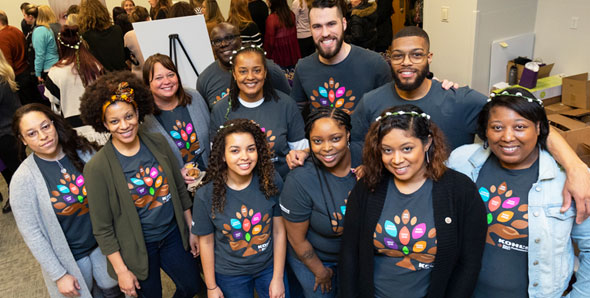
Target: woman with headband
(528, 250)
(413, 228)
(313, 201)
(139, 205)
(252, 97)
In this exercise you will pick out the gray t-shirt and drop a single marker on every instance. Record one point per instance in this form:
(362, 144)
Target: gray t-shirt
(67, 192)
(179, 125)
(280, 121)
(313, 193)
(504, 270)
(340, 85)
(150, 192)
(405, 243)
(455, 111)
(213, 83)
(243, 231)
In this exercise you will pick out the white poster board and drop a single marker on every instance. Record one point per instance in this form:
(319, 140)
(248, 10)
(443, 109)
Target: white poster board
(192, 32)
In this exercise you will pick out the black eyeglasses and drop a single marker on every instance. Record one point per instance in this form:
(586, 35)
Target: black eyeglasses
(219, 41)
(415, 57)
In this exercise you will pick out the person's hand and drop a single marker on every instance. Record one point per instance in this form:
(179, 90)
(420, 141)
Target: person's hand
(296, 158)
(188, 179)
(68, 286)
(446, 84)
(276, 288)
(214, 293)
(40, 80)
(359, 172)
(324, 281)
(128, 283)
(194, 244)
(577, 185)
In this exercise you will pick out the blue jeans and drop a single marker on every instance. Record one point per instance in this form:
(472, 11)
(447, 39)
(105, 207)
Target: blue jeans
(242, 286)
(178, 263)
(94, 267)
(307, 278)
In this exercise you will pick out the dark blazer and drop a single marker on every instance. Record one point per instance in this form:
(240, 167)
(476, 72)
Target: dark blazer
(115, 222)
(460, 222)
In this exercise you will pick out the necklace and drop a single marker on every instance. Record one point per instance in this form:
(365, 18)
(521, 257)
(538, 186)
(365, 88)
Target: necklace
(63, 170)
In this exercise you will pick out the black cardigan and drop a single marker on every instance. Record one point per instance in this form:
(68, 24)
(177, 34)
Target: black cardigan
(460, 222)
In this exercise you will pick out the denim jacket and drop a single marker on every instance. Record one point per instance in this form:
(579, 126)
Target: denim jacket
(551, 253)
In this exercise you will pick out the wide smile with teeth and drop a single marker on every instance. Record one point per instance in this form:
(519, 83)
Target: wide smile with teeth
(329, 158)
(401, 170)
(126, 134)
(251, 85)
(328, 41)
(407, 73)
(244, 166)
(509, 149)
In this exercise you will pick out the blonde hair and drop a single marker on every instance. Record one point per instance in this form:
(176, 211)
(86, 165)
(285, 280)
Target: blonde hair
(45, 16)
(72, 19)
(7, 74)
(123, 3)
(239, 15)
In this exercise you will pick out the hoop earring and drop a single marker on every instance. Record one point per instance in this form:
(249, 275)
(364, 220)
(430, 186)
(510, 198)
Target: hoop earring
(348, 143)
(485, 144)
(427, 157)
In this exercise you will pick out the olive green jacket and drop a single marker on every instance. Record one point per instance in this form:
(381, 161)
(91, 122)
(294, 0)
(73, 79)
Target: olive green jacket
(115, 222)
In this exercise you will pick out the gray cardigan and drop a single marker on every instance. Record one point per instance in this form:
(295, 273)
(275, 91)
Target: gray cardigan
(199, 113)
(37, 223)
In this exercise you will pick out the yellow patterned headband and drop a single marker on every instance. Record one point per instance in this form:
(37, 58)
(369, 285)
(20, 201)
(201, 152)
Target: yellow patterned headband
(123, 93)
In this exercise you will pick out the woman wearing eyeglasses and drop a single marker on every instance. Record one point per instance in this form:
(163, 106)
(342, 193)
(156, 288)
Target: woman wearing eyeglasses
(48, 197)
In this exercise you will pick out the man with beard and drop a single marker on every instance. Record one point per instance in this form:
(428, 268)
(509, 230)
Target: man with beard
(455, 111)
(214, 81)
(338, 73)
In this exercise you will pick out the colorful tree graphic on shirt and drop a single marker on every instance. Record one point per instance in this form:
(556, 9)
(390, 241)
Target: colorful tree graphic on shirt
(407, 251)
(223, 95)
(507, 222)
(246, 230)
(73, 193)
(185, 139)
(147, 186)
(269, 137)
(337, 217)
(331, 94)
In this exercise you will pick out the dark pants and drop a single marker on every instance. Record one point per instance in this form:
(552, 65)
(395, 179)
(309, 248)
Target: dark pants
(9, 155)
(242, 286)
(179, 264)
(27, 89)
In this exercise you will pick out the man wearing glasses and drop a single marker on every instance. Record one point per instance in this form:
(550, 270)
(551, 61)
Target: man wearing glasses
(213, 83)
(455, 111)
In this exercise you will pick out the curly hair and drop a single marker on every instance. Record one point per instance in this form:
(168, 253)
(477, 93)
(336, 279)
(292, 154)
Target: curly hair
(217, 170)
(148, 75)
(68, 138)
(268, 91)
(419, 127)
(93, 15)
(103, 88)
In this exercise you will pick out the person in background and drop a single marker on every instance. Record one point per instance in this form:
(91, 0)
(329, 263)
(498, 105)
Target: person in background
(128, 5)
(181, 9)
(314, 198)
(281, 35)
(31, 12)
(301, 10)
(72, 15)
(139, 14)
(237, 216)
(122, 20)
(44, 42)
(362, 24)
(105, 41)
(214, 81)
(384, 26)
(528, 250)
(259, 12)
(50, 205)
(139, 205)
(26, 28)
(159, 9)
(413, 228)
(197, 5)
(212, 14)
(68, 78)
(9, 102)
(117, 10)
(239, 16)
(180, 114)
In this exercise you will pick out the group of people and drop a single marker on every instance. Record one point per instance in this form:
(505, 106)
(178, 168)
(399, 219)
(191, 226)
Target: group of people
(361, 179)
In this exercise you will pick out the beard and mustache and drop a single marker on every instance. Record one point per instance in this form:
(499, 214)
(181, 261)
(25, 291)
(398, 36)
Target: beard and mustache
(421, 75)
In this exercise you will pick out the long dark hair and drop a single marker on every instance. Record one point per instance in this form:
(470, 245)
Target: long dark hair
(268, 91)
(281, 8)
(530, 110)
(417, 126)
(343, 119)
(72, 49)
(217, 170)
(68, 138)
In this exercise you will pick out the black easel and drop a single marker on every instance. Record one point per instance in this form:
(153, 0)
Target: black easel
(174, 55)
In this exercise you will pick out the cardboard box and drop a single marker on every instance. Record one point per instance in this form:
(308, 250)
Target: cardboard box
(544, 70)
(576, 91)
(556, 108)
(572, 126)
(548, 89)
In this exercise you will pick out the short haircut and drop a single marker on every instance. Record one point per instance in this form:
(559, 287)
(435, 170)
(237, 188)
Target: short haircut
(531, 111)
(24, 5)
(3, 18)
(410, 31)
(139, 14)
(340, 4)
(31, 10)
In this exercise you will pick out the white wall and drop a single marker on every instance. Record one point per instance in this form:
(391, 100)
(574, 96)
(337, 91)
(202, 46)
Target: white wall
(496, 20)
(555, 42)
(452, 43)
